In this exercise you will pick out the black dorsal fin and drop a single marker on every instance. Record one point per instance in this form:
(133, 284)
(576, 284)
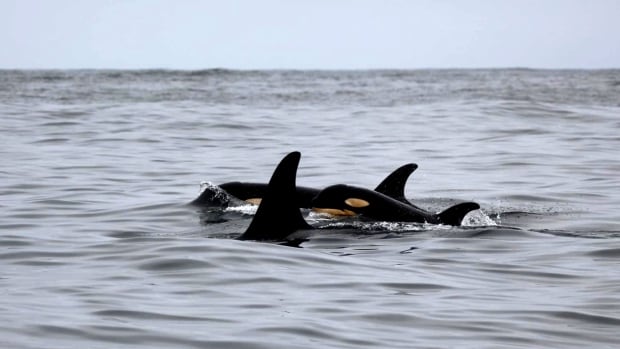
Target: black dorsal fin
(394, 184)
(454, 215)
(277, 215)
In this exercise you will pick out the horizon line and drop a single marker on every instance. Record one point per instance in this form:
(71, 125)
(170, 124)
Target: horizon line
(310, 69)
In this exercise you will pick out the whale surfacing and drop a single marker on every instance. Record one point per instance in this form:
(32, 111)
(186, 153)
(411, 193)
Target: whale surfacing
(279, 216)
(393, 185)
(380, 207)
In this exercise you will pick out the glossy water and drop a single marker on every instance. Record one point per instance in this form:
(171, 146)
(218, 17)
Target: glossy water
(100, 250)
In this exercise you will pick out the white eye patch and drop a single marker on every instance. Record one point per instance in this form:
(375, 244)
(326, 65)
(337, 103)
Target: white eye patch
(357, 203)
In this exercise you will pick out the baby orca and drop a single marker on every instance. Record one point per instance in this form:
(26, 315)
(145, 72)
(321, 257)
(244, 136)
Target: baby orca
(380, 207)
(393, 185)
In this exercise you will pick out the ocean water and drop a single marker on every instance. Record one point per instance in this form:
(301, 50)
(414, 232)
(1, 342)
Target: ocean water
(99, 248)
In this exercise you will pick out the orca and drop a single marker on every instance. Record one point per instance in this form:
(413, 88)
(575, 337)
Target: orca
(249, 192)
(277, 217)
(393, 185)
(254, 192)
(380, 207)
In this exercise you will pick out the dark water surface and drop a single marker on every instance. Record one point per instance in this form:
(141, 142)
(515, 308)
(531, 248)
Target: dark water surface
(99, 249)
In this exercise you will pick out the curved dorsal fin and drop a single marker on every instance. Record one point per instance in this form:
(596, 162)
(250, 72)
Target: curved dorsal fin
(277, 215)
(394, 184)
(455, 214)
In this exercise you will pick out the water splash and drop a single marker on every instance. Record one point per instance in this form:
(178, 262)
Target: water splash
(247, 209)
(478, 218)
(384, 226)
(211, 195)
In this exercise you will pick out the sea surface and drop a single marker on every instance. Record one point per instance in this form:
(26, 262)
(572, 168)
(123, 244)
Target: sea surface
(100, 249)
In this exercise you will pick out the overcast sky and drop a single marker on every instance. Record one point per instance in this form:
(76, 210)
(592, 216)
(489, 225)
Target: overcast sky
(309, 34)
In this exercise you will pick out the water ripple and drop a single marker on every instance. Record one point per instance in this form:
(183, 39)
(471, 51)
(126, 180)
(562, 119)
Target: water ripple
(100, 249)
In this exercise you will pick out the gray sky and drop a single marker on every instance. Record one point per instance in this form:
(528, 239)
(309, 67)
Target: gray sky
(306, 34)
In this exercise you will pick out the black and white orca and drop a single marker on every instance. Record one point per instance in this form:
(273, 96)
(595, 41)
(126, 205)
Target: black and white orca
(380, 207)
(393, 186)
(277, 217)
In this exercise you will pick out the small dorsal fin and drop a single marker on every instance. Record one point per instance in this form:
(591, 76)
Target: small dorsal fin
(277, 215)
(394, 184)
(455, 214)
